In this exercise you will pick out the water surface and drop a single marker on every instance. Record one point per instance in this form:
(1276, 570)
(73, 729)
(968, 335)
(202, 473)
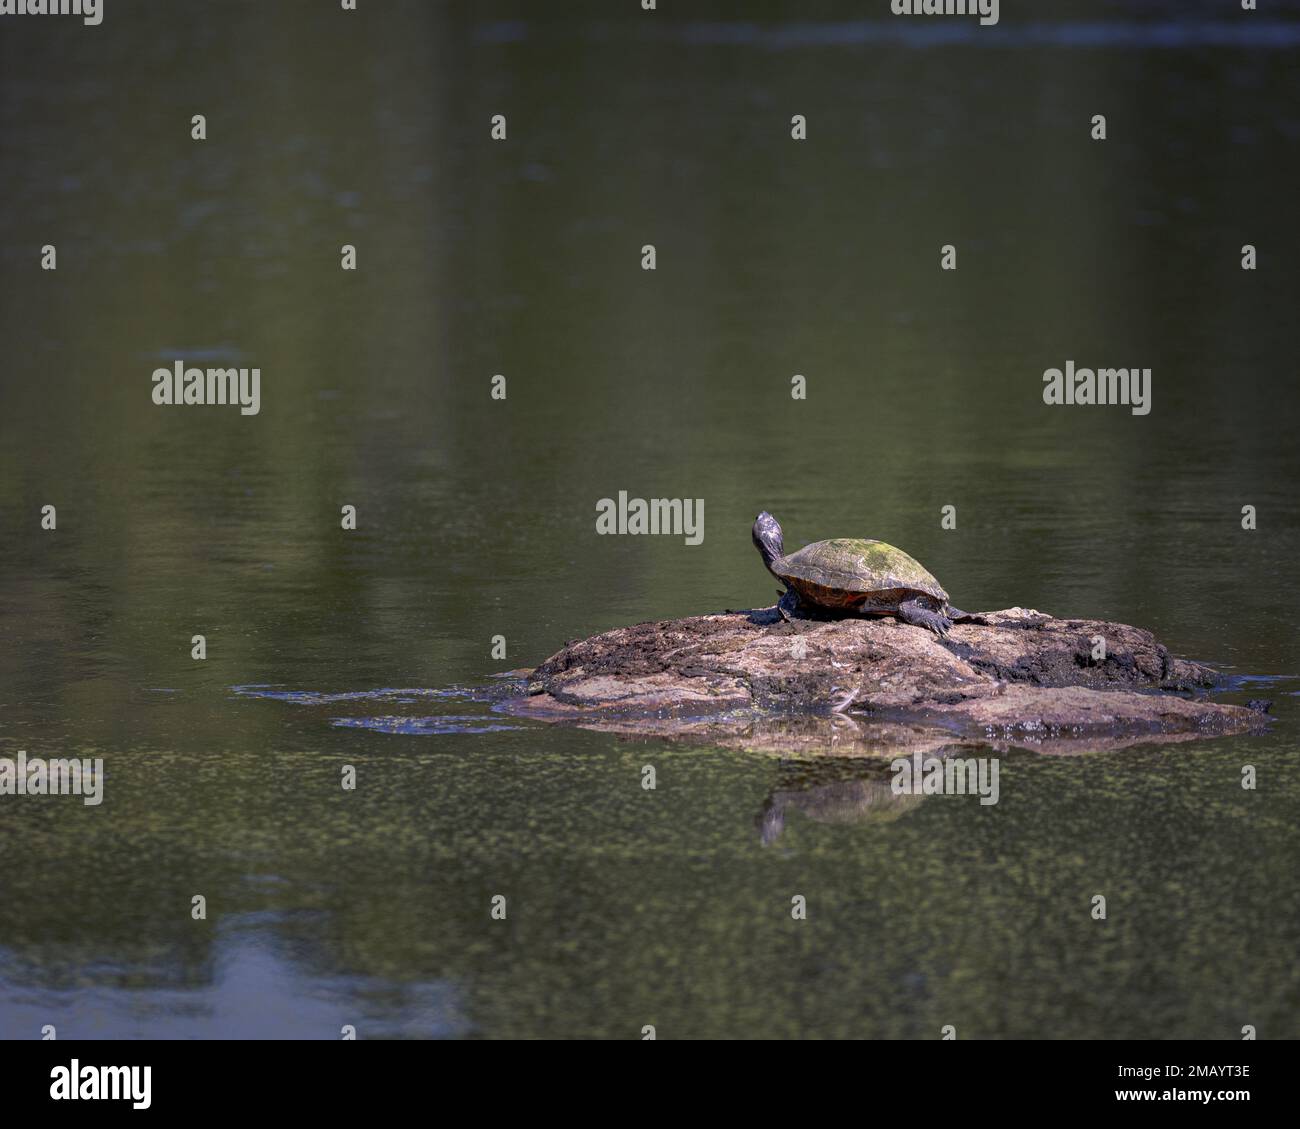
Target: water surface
(372, 648)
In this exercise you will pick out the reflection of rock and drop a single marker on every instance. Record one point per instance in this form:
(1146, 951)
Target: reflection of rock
(1026, 679)
(871, 800)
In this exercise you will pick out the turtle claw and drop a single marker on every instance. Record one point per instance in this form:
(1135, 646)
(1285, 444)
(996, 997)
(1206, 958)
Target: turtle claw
(918, 615)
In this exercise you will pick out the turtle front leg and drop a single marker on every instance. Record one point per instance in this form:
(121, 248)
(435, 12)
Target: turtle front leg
(788, 605)
(913, 611)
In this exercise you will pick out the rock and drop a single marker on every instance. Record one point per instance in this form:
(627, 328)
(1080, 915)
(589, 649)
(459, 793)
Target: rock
(750, 678)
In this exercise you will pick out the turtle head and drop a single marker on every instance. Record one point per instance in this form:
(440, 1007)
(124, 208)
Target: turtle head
(768, 539)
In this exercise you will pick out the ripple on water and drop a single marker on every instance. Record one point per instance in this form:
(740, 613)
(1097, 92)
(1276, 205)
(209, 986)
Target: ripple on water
(421, 726)
(1233, 682)
(321, 698)
(390, 723)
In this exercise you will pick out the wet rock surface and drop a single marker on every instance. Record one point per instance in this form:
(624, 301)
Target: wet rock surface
(874, 685)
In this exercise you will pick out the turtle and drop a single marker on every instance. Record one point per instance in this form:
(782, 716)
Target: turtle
(855, 576)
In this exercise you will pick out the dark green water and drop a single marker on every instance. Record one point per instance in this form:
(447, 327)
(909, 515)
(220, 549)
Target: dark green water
(476, 517)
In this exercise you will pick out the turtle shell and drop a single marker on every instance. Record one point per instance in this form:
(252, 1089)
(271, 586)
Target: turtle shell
(853, 573)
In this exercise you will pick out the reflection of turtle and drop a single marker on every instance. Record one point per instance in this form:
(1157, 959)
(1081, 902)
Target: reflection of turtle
(845, 802)
(855, 577)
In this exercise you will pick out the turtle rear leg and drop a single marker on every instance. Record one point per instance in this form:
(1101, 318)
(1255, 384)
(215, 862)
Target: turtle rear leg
(959, 616)
(913, 611)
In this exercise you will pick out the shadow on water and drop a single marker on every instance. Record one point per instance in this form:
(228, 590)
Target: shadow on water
(262, 986)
